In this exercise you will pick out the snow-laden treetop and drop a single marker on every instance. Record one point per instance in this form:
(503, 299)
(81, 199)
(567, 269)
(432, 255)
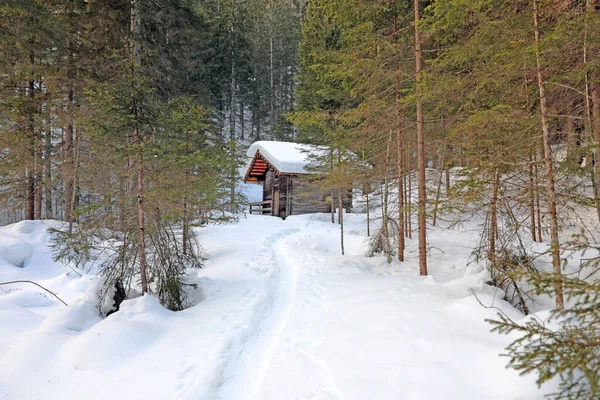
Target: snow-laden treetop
(288, 158)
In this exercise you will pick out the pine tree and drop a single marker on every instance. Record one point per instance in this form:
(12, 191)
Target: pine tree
(565, 346)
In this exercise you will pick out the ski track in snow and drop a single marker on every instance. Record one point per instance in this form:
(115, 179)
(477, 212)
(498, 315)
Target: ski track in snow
(239, 372)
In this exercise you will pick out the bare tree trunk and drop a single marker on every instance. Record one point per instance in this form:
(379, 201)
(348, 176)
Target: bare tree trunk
(185, 238)
(438, 193)
(332, 207)
(596, 129)
(141, 217)
(76, 177)
(341, 205)
(401, 232)
(493, 233)
(421, 181)
(532, 190)
(408, 203)
(551, 192)
(341, 216)
(48, 168)
(232, 108)
(593, 110)
(332, 190)
(442, 168)
(339, 194)
(399, 154)
(136, 62)
(258, 129)
(384, 208)
(131, 181)
(271, 71)
(39, 161)
(447, 180)
(185, 225)
(537, 197)
(368, 216)
(570, 131)
(232, 145)
(68, 172)
(242, 121)
(30, 192)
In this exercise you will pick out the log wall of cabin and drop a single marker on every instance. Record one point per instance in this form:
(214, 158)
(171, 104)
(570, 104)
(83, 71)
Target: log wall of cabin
(297, 195)
(284, 191)
(268, 185)
(306, 197)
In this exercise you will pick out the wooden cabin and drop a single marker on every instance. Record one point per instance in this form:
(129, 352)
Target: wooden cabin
(288, 187)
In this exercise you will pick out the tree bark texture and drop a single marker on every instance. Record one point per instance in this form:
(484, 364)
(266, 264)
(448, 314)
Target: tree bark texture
(421, 179)
(30, 185)
(550, 186)
(138, 140)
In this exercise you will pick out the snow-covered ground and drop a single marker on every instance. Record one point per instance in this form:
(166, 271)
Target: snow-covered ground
(284, 316)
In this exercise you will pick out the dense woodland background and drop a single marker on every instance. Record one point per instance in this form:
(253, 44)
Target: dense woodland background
(128, 119)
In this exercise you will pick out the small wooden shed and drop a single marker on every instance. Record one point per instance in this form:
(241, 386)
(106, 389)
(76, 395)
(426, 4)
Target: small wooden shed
(288, 187)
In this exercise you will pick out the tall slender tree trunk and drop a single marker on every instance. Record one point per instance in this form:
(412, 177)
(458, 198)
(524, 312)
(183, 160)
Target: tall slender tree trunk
(39, 183)
(141, 214)
(538, 208)
(39, 165)
(368, 215)
(438, 193)
(384, 208)
(421, 180)
(185, 235)
(232, 144)
(493, 233)
(399, 155)
(341, 215)
(68, 170)
(596, 127)
(48, 168)
(593, 109)
(532, 190)
(401, 217)
(232, 107)
(550, 188)
(332, 206)
(138, 138)
(271, 71)
(76, 170)
(341, 204)
(242, 121)
(332, 190)
(570, 131)
(30, 193)
(447, 170)
(186, 228)
(408, 202)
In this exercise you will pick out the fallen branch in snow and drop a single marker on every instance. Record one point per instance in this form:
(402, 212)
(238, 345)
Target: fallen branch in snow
(38, 285)
(500, 311)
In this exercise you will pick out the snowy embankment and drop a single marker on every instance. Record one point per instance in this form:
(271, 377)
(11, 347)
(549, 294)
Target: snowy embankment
(284, 316)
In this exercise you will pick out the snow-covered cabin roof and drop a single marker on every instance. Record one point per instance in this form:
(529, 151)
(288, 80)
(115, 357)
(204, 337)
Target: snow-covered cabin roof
(285, 157)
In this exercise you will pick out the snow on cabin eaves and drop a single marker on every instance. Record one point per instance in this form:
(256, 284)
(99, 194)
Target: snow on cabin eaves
(286, 157)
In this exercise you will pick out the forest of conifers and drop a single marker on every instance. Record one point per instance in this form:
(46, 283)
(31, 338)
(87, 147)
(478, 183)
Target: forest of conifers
(131, 118)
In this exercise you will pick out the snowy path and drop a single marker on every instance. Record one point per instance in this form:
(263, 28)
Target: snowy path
(283, 316)
(245, 363)
(331, 327)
